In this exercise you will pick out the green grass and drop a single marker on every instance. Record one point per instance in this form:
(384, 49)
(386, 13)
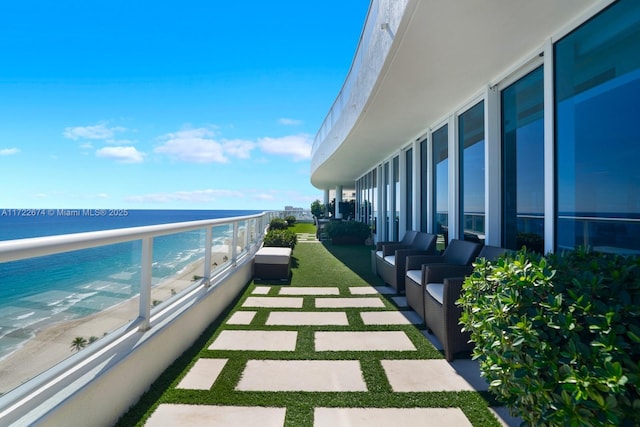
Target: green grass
(316, 265)
(303, 227)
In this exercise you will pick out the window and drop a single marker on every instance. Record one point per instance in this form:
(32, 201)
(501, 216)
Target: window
(441, 184)
(408, 176)
(597, 88)
(424, 200)
(396, 198)
(471, 145)
(523, 162)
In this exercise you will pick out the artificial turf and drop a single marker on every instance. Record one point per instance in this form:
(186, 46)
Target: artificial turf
(315, 264)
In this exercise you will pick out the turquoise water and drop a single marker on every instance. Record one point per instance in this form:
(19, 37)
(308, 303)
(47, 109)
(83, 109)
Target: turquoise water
(37, 292)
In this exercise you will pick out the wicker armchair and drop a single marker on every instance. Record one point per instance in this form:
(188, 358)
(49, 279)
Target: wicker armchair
(377, 256)
(458, 252)
(392, 266)
(441, 314)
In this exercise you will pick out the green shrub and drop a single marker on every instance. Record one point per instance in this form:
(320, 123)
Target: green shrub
(281, 238)
(347, 228)
(278, 224)
(290, 220)
(558, 338)
(317, 209)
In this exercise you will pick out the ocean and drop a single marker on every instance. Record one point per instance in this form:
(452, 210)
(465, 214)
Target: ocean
(38, 292)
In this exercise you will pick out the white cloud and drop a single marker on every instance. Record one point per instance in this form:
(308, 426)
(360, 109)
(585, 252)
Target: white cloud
(238, 148)
(9, 151)
(99, 131)
(207, 195)
(289, 122)
(121, 154)
(297, 146)
(200, 146)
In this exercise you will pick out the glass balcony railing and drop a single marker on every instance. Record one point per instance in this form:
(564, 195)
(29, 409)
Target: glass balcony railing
(60, 294)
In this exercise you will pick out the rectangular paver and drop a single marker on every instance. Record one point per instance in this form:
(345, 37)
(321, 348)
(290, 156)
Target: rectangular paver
(241, 318)
(371, 290)
(408, 317)
(423, 376)
(302, 375)
(307, 318)
(400, 301)
(384, 417)
(363, 341)
(273, 302)
(310, 290)
(171, 415)
(348, 302)
(255, 340)
(202, 374)
(261, 290)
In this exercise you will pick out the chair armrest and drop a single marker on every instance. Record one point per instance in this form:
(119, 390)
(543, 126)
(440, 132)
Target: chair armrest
(402, 255)
(437, 273)
(414, 262)
(379, 245)
(391, 248)
(451, 294)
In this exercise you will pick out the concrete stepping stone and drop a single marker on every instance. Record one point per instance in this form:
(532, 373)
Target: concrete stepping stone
(307, 318)
(363, 341)
(400, 301)
(273, 302)
(348, 302)
(202, 374)
(261, 290)
(390, 318)
(384, 417)
(310, 290)
(256, 340)
(302, 375)
(371, 290)
(424, 376)
(241, 318)
(171, 415)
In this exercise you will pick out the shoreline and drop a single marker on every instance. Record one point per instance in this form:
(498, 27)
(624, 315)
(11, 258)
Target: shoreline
(51, 344)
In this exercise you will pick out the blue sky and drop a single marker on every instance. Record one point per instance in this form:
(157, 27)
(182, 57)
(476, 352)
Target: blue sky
(167, 105)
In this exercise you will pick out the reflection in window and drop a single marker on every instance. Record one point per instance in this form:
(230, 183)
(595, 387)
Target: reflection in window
(396, 198)
(409, 193)
(441, 184)
(471, 145)
(597, 74)
(386, 201)
(424, 201)
(523, 162)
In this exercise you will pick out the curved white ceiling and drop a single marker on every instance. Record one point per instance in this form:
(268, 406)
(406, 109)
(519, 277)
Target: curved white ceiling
(444, 53)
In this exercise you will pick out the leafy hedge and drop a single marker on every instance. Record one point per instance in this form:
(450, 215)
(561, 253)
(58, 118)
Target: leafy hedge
(558, 338)
(347, 228)
(278, 224)
(281, 238)
(290, 220)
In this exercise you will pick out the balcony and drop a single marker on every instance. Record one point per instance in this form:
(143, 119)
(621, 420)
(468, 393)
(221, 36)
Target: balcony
(332, 347)
(308, 352)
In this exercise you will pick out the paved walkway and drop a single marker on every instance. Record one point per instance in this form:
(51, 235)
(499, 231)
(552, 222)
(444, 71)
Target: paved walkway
(288, 309)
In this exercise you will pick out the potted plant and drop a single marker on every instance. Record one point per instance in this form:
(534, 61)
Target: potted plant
(347, 232)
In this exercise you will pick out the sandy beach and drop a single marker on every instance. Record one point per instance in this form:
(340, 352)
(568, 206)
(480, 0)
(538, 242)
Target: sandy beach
(52, 344)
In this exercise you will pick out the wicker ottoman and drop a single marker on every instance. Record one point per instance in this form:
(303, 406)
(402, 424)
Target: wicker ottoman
(272, 263)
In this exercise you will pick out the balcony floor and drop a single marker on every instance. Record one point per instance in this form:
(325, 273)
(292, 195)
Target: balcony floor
(334, 347)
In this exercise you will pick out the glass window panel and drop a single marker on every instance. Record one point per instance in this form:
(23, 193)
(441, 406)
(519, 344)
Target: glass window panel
(597, 77)
(396, 198)
(471, 145)
(424, 201)
(441, 184)
(409, 188)
(523, 162)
